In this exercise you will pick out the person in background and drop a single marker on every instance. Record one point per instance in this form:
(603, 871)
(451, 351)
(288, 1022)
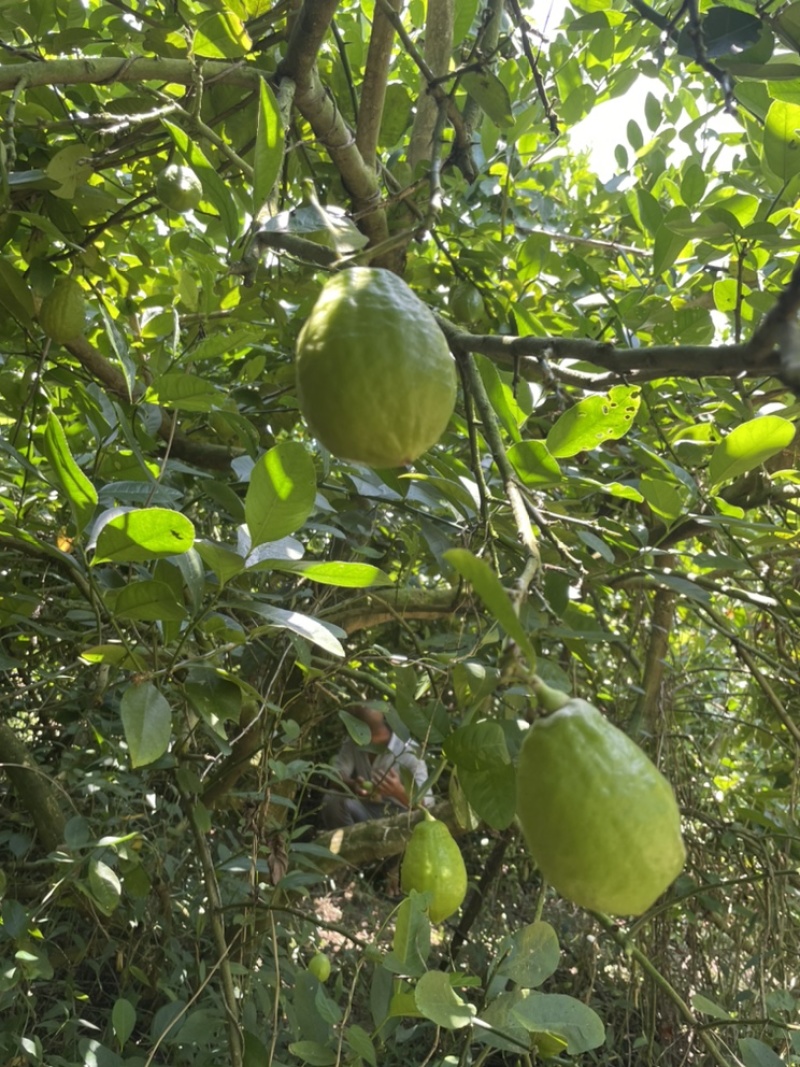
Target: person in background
(373, 777)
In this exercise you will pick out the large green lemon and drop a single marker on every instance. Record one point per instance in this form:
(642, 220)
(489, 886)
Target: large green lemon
(433, 864)
(178, 188)
(375, 379)
(600, 819)
(63, 311)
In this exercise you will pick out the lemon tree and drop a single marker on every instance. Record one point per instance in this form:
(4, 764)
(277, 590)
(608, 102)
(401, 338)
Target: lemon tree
(376, 381)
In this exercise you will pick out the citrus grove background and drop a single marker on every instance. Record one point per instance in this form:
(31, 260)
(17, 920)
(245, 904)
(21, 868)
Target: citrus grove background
(192, 589)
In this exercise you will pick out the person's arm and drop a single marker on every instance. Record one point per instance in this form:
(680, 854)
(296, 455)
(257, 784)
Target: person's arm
(389, 784)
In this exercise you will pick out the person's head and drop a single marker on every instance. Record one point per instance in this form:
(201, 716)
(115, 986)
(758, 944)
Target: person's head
(379, 729)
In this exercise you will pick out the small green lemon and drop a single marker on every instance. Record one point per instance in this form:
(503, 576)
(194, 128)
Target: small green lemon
(376, 381)
(63, 311)
(320, 966)
(599, 818)
(466, 303)
(178, 188)
(433, 864)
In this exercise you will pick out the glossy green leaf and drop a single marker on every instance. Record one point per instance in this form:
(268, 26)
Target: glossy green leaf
(221, 35)
(281, 493)
(594, 420)
(533, 463)
(782, 139)
(183, 392)
(147, 722)
(568, 1018)
(269, 147)
(80, 492)
(530, 955)
(123, 1020)
(749, 445)
(150, 601)
(132, 535)
(490, 95)
(487, 585)
(438, 1001)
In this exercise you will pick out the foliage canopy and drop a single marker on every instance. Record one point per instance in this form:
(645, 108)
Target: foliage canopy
(190, 587)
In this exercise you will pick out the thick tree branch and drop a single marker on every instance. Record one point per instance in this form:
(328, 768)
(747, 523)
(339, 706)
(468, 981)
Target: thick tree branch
(438, 47)
(373, 88)
(319, 109)
(524, 355)
(379, 838)
(127, 71)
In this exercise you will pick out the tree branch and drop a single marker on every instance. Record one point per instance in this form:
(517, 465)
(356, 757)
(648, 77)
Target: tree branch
(319, 109)
(373, 87)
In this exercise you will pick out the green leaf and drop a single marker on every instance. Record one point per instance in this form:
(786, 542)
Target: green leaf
(554, 1013)
(183, 392)
(492, 794)
(501, 398)
(343, 575)
(323, 634)
(478, 746)
(755, 1053)
(782, 139)
(361, 1044)
(411, 943)
(221, 36)
(81, 494)
(223, 561)
(15, 296)
(269, 147)
(594, 420)
(529, 956)
(105, 886)
(487, 585)
(437, 1000)
(708, 1007)
(313, 1053)
(749, 445)
(130, 535)
(490, 95)
(281, 493)
(123, 1020)
(147, 723)
(533, 463)
(148, 601)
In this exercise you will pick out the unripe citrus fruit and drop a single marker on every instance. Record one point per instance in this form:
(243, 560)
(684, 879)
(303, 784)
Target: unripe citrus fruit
(600, 819)
(433, 864)
(63, 311)
(178, 188)
(320, 966)
(466, 303)
(375, 379)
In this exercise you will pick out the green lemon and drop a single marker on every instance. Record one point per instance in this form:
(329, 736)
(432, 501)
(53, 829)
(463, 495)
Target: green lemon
(600, 819)
(376, 381)
(433, 864)
(320, 966)
(178, 188)
(466, 303)
(63, 311)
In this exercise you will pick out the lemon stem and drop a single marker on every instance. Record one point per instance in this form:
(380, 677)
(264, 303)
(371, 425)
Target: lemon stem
(550, 699)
